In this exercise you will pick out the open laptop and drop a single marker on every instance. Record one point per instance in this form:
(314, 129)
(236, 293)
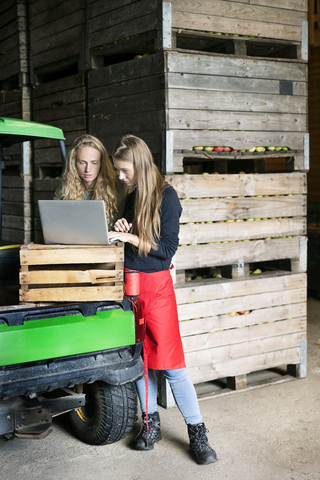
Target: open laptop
(74, 222)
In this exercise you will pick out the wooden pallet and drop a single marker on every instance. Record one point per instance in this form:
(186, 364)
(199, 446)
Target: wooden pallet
(58, 273)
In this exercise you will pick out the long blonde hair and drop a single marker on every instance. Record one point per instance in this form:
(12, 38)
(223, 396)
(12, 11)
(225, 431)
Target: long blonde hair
(149, 191)
(104, 186)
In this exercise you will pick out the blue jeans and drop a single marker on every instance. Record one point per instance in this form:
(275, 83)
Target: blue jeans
(182, 389)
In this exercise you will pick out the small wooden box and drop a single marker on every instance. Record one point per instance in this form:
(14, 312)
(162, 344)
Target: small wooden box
(71, 273)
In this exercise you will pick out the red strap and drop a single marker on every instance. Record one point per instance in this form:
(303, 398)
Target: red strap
(146, 379)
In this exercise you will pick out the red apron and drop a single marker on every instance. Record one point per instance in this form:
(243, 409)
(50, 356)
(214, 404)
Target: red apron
(162, 344)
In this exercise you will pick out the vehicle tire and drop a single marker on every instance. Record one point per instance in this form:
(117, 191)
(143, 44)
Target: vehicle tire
(109, 414)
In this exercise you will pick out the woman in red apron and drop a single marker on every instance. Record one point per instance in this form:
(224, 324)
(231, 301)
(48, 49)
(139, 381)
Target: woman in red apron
(150, 231)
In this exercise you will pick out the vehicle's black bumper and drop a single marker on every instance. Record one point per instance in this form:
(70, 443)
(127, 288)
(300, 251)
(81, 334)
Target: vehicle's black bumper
(116, 367)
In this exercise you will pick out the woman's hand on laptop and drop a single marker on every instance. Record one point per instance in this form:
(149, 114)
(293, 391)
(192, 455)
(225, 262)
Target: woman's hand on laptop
(124, 237)
(122, 225)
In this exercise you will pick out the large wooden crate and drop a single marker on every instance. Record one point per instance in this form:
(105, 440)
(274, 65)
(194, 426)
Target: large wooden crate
(234, 327)
(252, 218)
(228, 27)
(14, 66)
(59, 273)
(178, 101)
(57, 38)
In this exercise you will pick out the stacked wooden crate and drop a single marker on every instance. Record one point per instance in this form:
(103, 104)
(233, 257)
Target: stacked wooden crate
(57, 46)
(189, 76)
(15, 102)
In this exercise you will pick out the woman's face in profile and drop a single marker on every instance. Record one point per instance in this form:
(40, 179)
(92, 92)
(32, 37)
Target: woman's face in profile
(126, 172)
(88, 164)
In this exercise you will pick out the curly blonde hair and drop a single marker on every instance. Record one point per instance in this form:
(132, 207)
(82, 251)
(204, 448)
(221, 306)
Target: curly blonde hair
(104, 186)
(146, 223)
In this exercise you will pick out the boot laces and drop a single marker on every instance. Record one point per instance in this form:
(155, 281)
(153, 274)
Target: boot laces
(200, 440)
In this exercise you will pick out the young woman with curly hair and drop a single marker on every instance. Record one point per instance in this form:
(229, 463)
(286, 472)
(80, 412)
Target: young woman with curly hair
(150, 231)
(89, 175)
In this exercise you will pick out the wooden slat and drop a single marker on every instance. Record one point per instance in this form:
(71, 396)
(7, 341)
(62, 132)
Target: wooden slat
(70, 276)
(299, 5)
(59, 85)
(239, 335)
(229, 66)
(222, 83)
(185, 139)
(104, 16)
(225, 288)
(208, 255)
(212, 356)
(238, 304)
(17, 222)
(197, 119)
(223, 322)
(72, 294)
(214, 209)
(236, 102)
(253, 11)
(57, 33)
(242, 27)
(126, 29)
(219, 232)
(69, 255)
(200, 186)
(244, 365)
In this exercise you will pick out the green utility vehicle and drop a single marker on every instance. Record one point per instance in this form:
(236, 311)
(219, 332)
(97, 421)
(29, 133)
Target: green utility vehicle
(82, 358)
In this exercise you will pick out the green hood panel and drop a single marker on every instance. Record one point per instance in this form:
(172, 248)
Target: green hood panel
(13, 130)
(64, 336)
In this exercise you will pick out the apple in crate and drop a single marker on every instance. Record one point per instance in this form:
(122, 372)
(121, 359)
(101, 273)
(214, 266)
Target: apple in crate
(218, 149)
(227, 149)
(208, 149)
(244, 312)
(260, 149)
(271, 149)
(197, 148)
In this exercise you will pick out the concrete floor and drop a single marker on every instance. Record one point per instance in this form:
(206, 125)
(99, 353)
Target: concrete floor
(269, 433)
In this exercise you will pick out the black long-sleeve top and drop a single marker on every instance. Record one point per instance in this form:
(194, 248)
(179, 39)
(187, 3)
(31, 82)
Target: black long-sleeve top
(160, 259)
